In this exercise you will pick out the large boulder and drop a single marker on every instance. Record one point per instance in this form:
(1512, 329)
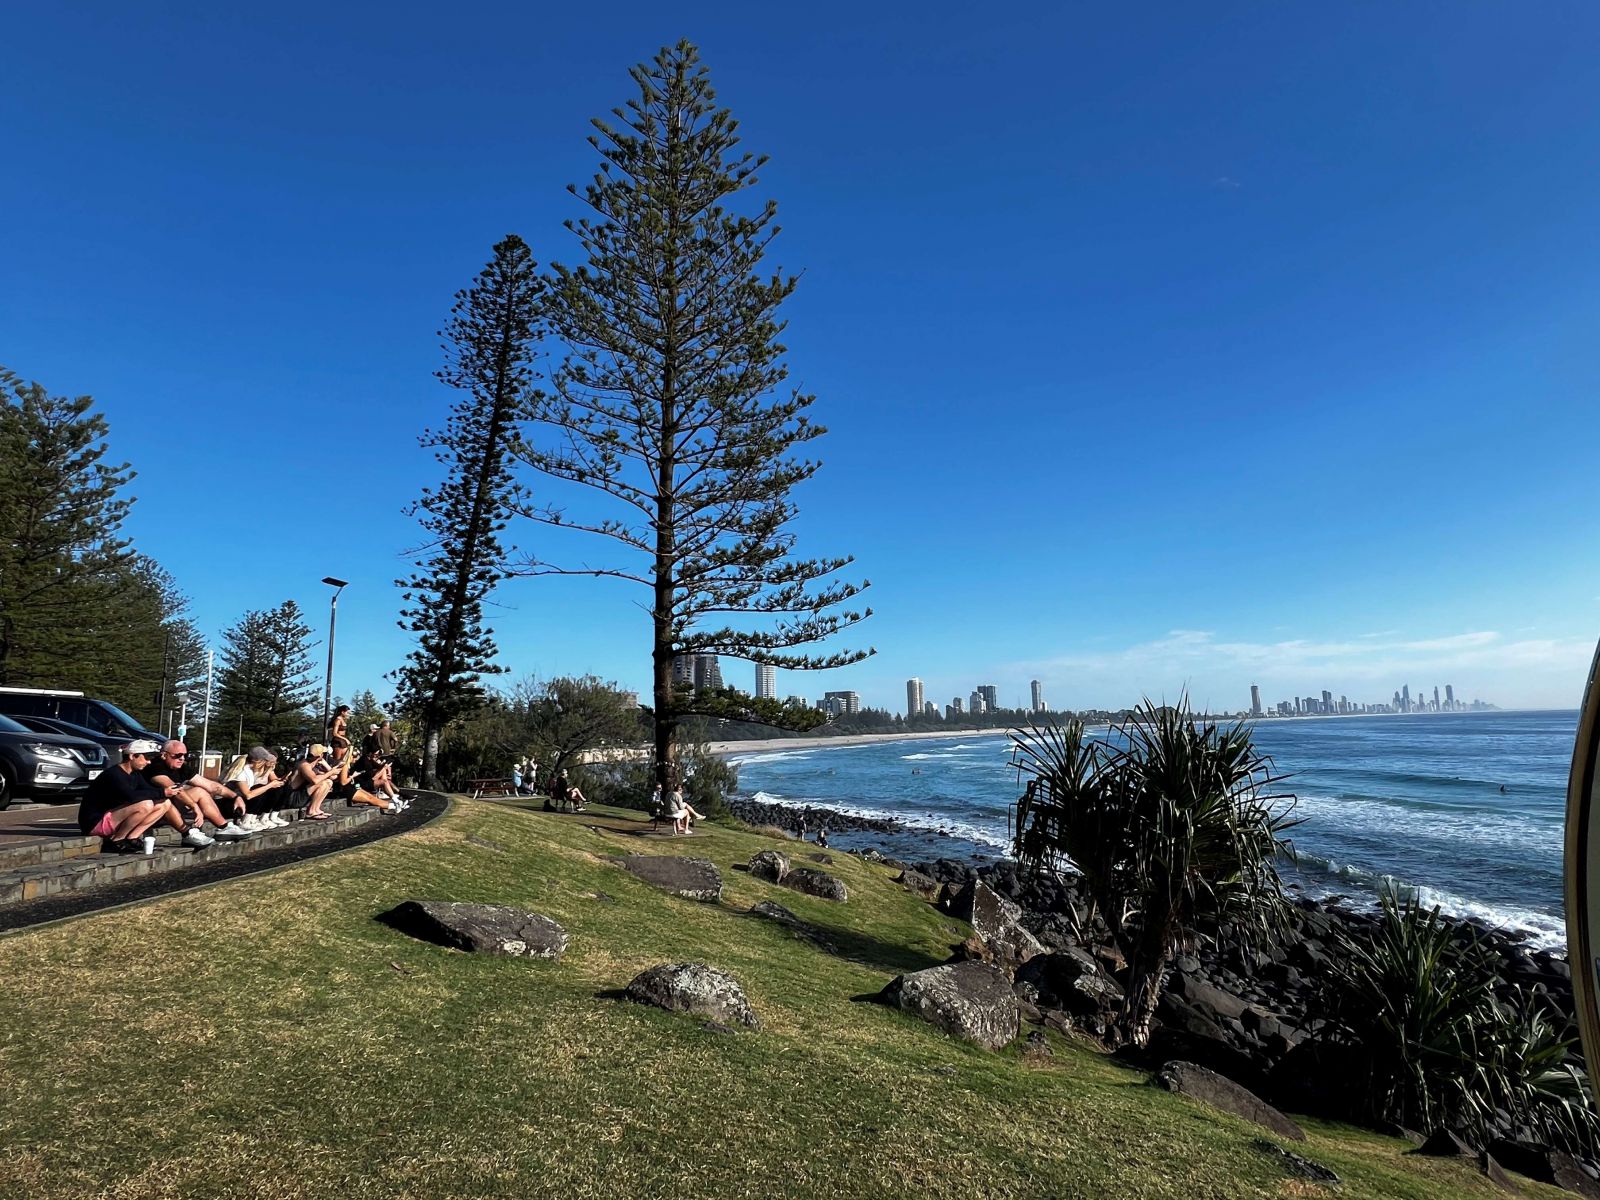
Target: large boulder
(919, 884)
(696, 989)
(812, 882)
(996, 921)
(970, 1000)
(771, 865)
(692, 878)
(1072, 980)
(1198, 991)
(1197, 1083)
(479, 928)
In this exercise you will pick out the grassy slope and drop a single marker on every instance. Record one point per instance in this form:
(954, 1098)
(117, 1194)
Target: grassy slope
(268, 1038)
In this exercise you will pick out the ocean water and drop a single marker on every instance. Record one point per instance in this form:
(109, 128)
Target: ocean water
(1412, 801)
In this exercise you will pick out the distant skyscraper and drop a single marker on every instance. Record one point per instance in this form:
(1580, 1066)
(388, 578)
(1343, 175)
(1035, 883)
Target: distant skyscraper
(1436, 697)
(766, 681)
(1037, 689)
(707, 672)
(977, 702)
(956, 705)
(1255, 701)
(1450, 697)
(913, 696)
(930, 709)
(1405, 698)
(991, 696)
(683, 669)
(850, 700)
(1327, 701)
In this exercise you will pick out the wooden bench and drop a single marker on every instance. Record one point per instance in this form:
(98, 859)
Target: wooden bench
(491, 787)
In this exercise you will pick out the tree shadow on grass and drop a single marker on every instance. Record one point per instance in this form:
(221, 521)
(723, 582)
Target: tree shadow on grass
(847, 944)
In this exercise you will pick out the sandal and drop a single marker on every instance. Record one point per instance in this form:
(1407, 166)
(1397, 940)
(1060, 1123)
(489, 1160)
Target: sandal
(311, 816)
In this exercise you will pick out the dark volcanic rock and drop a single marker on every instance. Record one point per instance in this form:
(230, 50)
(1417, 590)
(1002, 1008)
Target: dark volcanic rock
(1069, 980)
(771, 865)
(1496, 1173)
(997, 922)
(479, 928)
(1219, 1091)
(788, 816)
(1297, 1164)
(970, 1000)
(696, 989)
(1441, 1143)
(692, 878)
(812, 882)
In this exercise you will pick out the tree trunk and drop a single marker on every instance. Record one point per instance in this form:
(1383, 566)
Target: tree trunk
(430, 757)
(1147, 971)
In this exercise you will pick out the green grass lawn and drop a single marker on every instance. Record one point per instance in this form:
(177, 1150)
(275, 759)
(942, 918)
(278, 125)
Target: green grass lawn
(268, 1038)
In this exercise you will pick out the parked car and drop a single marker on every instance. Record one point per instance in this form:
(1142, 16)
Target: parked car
(99, 715)
(45, 765)
(110, 743)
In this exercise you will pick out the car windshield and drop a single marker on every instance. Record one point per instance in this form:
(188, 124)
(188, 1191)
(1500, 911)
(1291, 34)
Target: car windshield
(128, 722)
(7, 725)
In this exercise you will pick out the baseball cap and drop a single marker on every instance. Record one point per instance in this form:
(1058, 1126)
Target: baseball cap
(141, 746)
(318, 750)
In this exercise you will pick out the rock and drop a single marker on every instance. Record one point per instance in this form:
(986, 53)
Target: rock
(802, 928)
(1196, 1082)
(1038, 1046)
(1496, 1173)
(922, 885)
(691, 878)
(997, 922)
(1441, 1143)
(1543, 1164)
(825, 859)
(1199, 992)
(771, 865)
(812, 882)
(1297, 1164)
(1071, 980)
(479, 928)
(970, 1000)
(696, 989)
(1566, 1173)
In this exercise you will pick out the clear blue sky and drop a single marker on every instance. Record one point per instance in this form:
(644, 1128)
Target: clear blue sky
(1164, 346)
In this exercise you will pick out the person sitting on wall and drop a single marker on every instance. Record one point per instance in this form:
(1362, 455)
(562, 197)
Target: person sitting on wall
(121, 805)
(255, 783)
(204, 798)
(376, 774)
(351, 784)
(315, 776)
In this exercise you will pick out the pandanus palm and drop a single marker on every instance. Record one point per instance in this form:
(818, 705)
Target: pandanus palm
(1170, 822)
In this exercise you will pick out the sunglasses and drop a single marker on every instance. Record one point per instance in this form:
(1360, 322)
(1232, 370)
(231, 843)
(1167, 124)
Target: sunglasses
(177, 756)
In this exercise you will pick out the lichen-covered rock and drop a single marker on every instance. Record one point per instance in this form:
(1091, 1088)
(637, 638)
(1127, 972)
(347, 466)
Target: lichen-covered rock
(996, 921)
(970, 1000)
(1071, 980)
(479, 928)
(692, 878)
(771, 865)
(696, 989)
(1219, 1091)
(813, 882)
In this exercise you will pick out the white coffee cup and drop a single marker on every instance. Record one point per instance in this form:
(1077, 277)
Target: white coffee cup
(149, 841)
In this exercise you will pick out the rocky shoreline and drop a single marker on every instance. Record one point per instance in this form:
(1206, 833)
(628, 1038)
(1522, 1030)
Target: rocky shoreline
(1247, 1015)
(789, 816)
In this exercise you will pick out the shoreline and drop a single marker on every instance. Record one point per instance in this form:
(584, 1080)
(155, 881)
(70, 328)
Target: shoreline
(850, 739)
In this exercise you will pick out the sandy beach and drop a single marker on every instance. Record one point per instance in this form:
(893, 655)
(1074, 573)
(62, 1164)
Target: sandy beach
(855, 739)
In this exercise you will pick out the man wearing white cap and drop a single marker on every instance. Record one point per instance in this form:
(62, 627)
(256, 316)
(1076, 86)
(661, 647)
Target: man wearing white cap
(173, 769)
(121, 805)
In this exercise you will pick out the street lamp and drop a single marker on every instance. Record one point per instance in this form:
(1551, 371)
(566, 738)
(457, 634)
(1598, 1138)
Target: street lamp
(338, 585)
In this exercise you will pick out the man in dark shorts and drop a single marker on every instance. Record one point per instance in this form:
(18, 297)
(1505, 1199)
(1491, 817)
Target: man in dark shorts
(121, 805)
(207, 799)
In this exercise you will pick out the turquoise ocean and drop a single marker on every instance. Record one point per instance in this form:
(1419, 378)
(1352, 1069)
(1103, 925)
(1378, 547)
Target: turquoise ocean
(1407, 801)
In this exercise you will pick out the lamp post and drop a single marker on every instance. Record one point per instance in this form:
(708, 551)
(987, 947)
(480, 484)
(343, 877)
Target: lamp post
(338, 585)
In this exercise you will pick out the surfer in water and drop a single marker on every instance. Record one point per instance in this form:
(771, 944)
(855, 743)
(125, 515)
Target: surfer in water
(1503, 789)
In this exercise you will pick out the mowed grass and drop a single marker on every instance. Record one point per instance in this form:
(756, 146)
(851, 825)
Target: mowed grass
(269, 1038)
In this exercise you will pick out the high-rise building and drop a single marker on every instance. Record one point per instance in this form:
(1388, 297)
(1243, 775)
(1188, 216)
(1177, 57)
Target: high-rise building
(1450, 697)
(707, 672)
(1327, 701)
(683, 669)
(930, 709)
(1255, 701)
(850, 700)
(977, 703)
(1037, 689)
(956, 705)
(1436, 697)
(991, 696)
(1405, 698)
(766, 681)
(913, 696)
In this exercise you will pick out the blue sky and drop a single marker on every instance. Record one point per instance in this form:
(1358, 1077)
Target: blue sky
(1177, 346)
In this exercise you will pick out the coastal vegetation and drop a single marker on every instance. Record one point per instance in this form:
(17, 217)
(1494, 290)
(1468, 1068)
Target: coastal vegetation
(1171, 823)
(319, 1053)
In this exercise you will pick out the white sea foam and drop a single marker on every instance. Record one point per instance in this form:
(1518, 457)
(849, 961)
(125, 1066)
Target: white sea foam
(992, 837)
(1398, 820)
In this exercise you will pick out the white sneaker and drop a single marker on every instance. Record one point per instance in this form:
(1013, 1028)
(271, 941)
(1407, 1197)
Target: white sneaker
(251, 823)
(231, 832)
(275, 820)
(197, 838)
(280, 819)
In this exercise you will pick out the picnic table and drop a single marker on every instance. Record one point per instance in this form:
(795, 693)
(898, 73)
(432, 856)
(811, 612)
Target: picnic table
(491, 787)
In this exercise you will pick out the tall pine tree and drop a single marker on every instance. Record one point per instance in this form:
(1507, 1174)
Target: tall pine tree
(266, 689)
(61, 550)
(489, 347)
(671, 401)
